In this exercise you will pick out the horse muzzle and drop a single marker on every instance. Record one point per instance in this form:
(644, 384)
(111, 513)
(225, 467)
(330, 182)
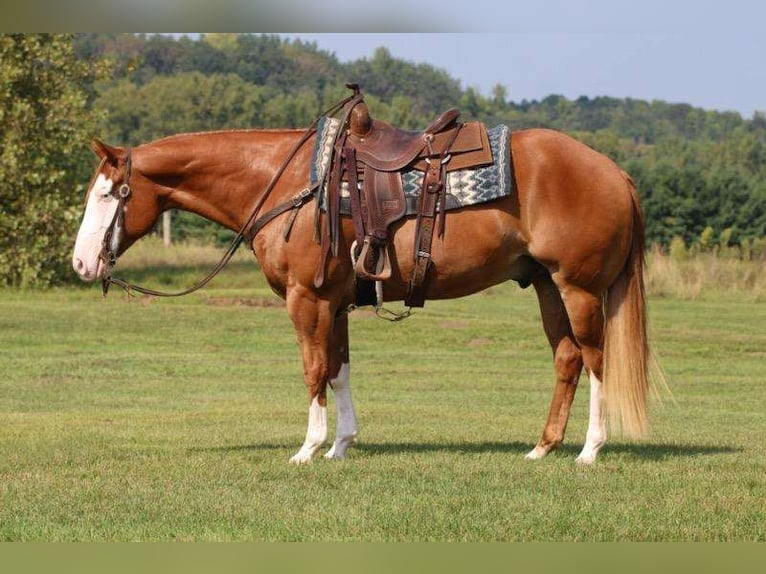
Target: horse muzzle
(86, 272)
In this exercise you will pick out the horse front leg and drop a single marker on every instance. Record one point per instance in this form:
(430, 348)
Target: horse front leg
(346, 429)
(313, 321)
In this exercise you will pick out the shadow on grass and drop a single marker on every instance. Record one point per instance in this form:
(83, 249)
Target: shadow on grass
(664, 451)
(637, 450)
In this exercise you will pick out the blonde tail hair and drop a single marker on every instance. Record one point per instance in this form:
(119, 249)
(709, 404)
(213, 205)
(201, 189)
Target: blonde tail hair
(627, 356)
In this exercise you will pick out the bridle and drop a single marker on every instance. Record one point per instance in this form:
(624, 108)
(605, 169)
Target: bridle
(248, 231)
(107, 254)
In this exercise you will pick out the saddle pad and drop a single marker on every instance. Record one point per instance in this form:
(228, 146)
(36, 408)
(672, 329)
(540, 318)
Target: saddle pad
(464, 187)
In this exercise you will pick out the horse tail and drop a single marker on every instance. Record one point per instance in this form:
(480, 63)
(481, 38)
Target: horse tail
(627, 355)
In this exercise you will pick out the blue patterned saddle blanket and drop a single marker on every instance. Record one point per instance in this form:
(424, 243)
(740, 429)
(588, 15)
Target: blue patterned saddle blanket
(464, 187)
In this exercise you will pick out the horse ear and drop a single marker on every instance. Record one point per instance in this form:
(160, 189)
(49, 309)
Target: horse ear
(104, 151)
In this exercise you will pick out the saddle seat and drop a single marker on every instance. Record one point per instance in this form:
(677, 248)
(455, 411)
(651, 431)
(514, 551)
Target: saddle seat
(382, 147)
(386, 148)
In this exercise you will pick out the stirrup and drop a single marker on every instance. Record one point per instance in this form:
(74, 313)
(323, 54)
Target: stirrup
(382, 265)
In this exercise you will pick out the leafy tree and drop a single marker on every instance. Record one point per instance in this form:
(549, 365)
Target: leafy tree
(470, 103)
(185, 102)
(499, 94)
(431, 90)
(45, 127)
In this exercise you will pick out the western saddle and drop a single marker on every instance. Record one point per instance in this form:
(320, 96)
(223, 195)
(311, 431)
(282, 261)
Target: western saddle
(370, 156)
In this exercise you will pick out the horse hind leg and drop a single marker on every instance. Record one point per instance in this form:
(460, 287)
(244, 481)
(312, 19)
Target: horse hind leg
(596, 435)
(586, 316)
(567, 361)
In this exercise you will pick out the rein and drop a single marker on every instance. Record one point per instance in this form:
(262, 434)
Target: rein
(249, 230)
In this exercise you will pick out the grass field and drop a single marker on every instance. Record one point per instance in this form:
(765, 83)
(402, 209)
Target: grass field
(174, 420)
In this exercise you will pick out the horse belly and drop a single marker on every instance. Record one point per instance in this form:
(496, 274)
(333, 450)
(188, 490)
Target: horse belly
(481, 247)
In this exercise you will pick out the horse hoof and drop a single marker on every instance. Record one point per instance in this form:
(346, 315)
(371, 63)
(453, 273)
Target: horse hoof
(340, 446)
(586, 459)
(302, 458)
(536, 453)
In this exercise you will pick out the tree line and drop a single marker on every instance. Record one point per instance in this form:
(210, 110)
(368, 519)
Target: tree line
(700, 173)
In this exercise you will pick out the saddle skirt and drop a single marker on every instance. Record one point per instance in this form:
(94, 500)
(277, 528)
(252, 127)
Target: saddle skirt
(464, 187)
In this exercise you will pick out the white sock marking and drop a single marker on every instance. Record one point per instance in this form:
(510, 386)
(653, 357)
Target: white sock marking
(345, 432)
(596, 435)
(536, 453)
(316, 434)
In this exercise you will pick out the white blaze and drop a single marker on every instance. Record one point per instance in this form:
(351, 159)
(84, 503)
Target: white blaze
(99, 213)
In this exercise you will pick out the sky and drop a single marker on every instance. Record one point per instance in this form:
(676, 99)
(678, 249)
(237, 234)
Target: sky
(708, 54)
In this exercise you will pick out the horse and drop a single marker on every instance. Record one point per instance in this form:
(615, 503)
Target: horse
(573, 229)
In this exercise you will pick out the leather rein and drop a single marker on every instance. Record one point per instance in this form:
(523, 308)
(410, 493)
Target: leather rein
(248, 231)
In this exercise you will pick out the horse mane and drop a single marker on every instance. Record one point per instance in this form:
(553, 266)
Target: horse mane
(233, 131)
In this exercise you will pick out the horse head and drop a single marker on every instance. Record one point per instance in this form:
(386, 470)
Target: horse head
(121, 206)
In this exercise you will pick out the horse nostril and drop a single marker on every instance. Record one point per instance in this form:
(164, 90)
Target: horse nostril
(78, 265)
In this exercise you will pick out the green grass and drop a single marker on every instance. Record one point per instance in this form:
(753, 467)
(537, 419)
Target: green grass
(174, 420)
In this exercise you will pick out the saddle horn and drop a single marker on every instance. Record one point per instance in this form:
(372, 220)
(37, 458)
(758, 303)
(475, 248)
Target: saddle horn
(359, 121)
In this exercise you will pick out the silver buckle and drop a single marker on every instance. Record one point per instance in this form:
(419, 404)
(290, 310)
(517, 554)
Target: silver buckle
(301, 197)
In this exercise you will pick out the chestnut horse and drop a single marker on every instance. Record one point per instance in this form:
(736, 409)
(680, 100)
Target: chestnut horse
(572, 228)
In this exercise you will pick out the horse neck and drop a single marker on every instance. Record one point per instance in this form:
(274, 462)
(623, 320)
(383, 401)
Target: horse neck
(217, 175)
